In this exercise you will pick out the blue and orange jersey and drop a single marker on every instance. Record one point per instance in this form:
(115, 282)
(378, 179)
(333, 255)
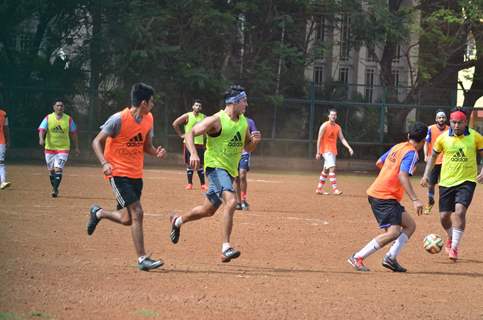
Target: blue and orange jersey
(433, 133)
(400, 158)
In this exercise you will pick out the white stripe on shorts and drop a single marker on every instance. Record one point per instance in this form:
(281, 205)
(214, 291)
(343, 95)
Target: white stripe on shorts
(117, 194)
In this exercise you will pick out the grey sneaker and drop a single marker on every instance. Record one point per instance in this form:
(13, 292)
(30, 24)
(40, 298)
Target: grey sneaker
(238, 206)
(245, 206)
(175, 231)
(392, 264)
(93, 220)
(357, 264)
(149, 264)
(229, 254)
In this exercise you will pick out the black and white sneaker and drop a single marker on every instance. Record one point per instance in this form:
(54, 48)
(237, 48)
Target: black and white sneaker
(245, 206)
(93, 220)
(175, 231)
(392, 264)
(229, 254)
(148, 264)
(238, 206)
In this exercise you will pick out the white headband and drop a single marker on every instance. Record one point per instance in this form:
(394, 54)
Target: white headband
(441, 114)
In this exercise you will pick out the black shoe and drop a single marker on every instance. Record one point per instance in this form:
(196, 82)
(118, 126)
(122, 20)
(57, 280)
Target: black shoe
(392, 264)
(229, 254)
(238, 206)
(149, 264)
(245, 206)
(55, 193)
(175, 231)
(93, 220)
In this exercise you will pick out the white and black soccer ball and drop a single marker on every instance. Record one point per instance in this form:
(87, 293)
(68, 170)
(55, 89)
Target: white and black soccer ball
(433, 243)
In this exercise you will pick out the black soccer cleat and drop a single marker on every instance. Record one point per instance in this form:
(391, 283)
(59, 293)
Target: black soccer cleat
(93, 220)
(392, 264)
(175, 231)
(229, 254)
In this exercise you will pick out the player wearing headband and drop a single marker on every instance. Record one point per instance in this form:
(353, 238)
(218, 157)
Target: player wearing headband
(434, 131)
(460, 146)
(226, 137)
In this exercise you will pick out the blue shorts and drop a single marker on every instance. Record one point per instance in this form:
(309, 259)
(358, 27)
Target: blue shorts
(219, 180)
(244, 163)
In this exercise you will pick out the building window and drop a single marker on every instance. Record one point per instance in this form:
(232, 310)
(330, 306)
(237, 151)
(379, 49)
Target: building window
(24, 42)
(371, 54)
(344, 75)
(369, 90)
(345, 37)
(320, 28)
(397, 55)
(318, 76)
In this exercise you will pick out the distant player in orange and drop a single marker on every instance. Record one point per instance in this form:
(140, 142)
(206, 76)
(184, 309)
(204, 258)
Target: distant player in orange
(385, 195)
(327, 148)
(434, 131)
(127, 135)
(4, 142)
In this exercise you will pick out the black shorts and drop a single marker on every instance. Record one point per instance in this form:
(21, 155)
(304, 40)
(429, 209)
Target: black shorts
(201, 153)
(450, 196)
(126, 190)
(388, 212)
(434, 176)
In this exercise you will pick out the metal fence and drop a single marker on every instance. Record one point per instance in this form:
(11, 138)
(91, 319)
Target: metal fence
(289, 126)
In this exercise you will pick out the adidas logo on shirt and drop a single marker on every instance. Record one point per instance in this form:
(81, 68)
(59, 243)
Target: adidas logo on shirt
(236, 141)
(136, 141)
(57, 129)
(459, 156)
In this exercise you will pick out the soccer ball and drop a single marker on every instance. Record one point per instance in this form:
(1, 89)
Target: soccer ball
(433, 243)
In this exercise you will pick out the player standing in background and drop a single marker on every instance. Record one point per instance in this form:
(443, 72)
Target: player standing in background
(227, 135)
(385, 195)
(327, 149)
(189, 119)
(460, 146)
(55, 132)
(434, 131)
(241, 182)
(127, 135)
(4, 143)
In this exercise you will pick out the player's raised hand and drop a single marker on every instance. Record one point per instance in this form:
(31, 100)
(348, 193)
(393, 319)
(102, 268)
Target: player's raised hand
(418, 206)
(194, 161)
(160, 152)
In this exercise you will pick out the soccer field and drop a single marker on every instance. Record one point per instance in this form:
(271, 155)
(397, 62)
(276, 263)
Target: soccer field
(294, 247)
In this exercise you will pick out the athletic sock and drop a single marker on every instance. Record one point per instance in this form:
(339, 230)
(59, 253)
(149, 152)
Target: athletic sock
(189, 174)
(201, 175)
(397, 245)
(2, 173)
(369, 249)
(333, 181)
(322, 179)
(449, 232)
(225, 246)
(243, 196)
(431, 198)
(178, 222)
(57, 179)
(51, 176)
(455, 240)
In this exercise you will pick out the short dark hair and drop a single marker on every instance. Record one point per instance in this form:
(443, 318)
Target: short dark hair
(332, 110)
(418, 131)
(233, 91)
(58, 100)
(141, 92)
(197, 101)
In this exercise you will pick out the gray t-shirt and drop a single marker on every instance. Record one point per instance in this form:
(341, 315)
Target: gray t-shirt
(112, 127)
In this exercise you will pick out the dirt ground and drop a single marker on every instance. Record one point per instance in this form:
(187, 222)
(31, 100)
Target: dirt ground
(293, 265)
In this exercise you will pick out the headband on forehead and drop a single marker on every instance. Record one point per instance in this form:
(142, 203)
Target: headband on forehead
(457, 116)
(441, 114)
(236, 99)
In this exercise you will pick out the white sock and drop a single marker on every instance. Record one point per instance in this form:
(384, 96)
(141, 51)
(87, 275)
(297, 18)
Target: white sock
(397, 245)
(141, 259)
(2, 173)
(369, 249)
(178, 222)
(455, 240)
(225, 246)
(98, 214)
(449, 231)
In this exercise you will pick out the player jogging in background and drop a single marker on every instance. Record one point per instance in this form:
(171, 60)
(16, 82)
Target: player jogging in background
(385, 195)
(4, 143)
(127, 135)
(460, 146)
(329, 132)
(241, 182)
(434, 131)
(227, 135)
(55, 132)
(189, 119)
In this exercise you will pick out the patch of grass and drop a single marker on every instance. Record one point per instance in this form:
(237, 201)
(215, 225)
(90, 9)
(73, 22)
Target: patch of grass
(147, 313)
(40, 314)
(9, 316)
